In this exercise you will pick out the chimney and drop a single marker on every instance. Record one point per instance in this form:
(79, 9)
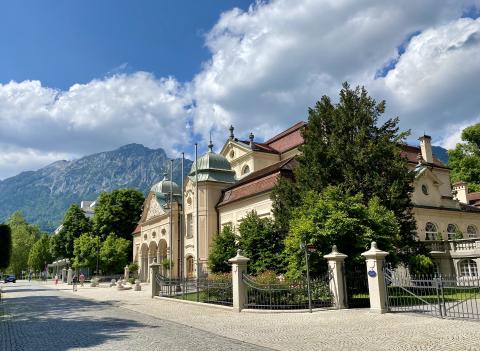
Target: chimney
(460, 191)
(426, 148)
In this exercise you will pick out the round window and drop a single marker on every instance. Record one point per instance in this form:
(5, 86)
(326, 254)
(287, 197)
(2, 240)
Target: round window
(144, 236)
(154, 235)
(189, 201)
(164, 231)
(425, 189)
(232, 154)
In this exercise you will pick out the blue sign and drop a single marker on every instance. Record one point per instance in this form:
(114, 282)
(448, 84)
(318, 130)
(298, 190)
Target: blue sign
(372, 273)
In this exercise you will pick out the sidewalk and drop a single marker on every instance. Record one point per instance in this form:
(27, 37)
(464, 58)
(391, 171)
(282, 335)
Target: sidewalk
(323, 330)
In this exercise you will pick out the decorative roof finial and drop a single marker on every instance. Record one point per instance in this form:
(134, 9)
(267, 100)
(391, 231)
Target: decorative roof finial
(165, 174)
(210, 145)
(419, 158)
(231, 132)
(251, 136)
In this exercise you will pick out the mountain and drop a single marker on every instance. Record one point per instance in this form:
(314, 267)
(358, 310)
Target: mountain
(441, 153)
(44, 195)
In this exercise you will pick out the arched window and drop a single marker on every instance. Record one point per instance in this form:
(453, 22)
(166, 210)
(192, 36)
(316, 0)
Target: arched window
(452, 231)
(468, 268)
(431, 232)
(245, 170)
(190, 269)
(471, 231)
(154, 234)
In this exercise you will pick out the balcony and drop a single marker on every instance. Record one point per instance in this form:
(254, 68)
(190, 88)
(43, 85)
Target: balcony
(454, 248)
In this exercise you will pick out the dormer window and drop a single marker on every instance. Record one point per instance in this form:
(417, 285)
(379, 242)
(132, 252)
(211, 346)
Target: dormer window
(245, 170)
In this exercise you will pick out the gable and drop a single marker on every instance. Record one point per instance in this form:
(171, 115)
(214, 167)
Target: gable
(232, 150)
(151, 208)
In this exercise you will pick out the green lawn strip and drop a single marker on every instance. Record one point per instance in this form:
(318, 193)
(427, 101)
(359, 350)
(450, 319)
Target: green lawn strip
(417, 296)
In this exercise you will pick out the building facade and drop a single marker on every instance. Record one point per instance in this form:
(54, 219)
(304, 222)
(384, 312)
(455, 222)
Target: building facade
(239, 179)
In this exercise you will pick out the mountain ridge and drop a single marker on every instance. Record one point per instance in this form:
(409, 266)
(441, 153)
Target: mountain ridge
(44, 195)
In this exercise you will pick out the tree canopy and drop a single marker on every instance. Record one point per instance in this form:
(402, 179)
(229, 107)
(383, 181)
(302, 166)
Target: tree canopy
(40, 254)
(117, 212)
(223, 248)
(464, 160)
(75, 223)
(335, 217)
(259, 242)
(347, 146)
(24, 236)
(86, 251)
(114, 254)
(5, 246)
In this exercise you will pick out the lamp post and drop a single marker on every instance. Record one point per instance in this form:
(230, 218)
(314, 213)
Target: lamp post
(303, 245)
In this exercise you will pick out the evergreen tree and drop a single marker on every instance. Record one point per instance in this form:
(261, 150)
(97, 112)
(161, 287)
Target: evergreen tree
(259, 242)
(464, 160)
(118, 212)
(40, 254)
(223, 248)
(345, 145)
(75, 223)
(5, 246)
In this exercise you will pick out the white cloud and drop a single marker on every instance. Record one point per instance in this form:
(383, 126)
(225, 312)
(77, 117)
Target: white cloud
(97, 116)
(267, 66)
(271, 63)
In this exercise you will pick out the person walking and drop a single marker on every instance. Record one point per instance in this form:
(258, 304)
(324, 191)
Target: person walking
(74, 282)
(82, 279)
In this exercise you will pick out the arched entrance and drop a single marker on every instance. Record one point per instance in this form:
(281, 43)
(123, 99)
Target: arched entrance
(162, 254)
(143, 262)
(190, 269)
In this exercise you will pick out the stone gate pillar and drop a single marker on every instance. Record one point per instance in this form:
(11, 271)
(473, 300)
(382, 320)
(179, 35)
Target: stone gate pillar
(375, 260)
(154, 270)
(239, 266)
(337, 283)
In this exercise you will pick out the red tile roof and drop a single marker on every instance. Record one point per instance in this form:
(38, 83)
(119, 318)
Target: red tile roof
(138, 229)
(257, 182)
(288, 139)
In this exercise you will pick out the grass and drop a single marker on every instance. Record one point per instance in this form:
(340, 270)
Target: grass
(399, 297)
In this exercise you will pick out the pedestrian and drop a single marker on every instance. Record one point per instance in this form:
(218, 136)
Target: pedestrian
(56, 279)
(82, 279)
(30, 276)
(74, 282)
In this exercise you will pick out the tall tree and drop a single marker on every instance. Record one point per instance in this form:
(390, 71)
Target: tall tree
(464, 160)
(40, 254)
(114, 254)
(345, 145)
(5, 246)
(259, 242)
(75, 223)
(24, 237)
(335, 217)
(224, 247)
(117, 212)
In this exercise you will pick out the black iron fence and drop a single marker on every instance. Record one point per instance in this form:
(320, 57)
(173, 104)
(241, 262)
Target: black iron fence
(214, 290)
(436, 295)
(356, 284)
(288, 294)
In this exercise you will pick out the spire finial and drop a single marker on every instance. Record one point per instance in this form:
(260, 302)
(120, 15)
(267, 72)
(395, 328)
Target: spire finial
(210, 145)
(232, 136)
(165, 174)
(251, 136)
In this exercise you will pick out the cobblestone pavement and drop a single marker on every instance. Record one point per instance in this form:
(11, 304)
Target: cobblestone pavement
(39, 318)
(322, 330)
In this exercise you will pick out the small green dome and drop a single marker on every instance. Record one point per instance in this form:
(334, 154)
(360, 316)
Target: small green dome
(213, 167)
(165, 187)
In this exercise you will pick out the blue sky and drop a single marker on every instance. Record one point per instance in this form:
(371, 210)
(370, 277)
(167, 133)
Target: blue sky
(62, 43)
(78, 77)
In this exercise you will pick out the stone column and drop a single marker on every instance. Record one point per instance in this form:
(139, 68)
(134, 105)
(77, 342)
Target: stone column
(154, 270)
(239, 266)
(126, 273)
(337, 283)
(375, 260)
(69, 276)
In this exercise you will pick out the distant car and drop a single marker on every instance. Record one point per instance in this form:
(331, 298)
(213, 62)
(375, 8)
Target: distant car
(10, 279)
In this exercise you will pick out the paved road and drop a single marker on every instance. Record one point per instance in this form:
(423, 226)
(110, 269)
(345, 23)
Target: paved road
(39, 318)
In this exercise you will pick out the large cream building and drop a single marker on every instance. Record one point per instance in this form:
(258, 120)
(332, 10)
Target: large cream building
(240, 179)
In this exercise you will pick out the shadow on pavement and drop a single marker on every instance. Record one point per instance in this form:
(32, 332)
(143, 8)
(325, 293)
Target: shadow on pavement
(56, 323)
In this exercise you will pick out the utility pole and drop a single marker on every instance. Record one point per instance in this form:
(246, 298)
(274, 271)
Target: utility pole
(197, 244)
(182, 229)
(171, 224)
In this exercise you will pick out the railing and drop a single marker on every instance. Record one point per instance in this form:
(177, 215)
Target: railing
(458, 245)
(207, 290)
(288, 295)
(437, 295)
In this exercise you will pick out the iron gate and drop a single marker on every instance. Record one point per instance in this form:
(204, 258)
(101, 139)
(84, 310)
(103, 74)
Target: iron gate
(434, 295)
(356, 281)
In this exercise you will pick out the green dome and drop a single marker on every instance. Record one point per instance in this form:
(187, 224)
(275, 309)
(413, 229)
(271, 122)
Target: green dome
(165, 186)
(213, 167)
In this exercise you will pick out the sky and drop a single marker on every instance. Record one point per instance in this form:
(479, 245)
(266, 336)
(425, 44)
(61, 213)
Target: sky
(81, 77)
